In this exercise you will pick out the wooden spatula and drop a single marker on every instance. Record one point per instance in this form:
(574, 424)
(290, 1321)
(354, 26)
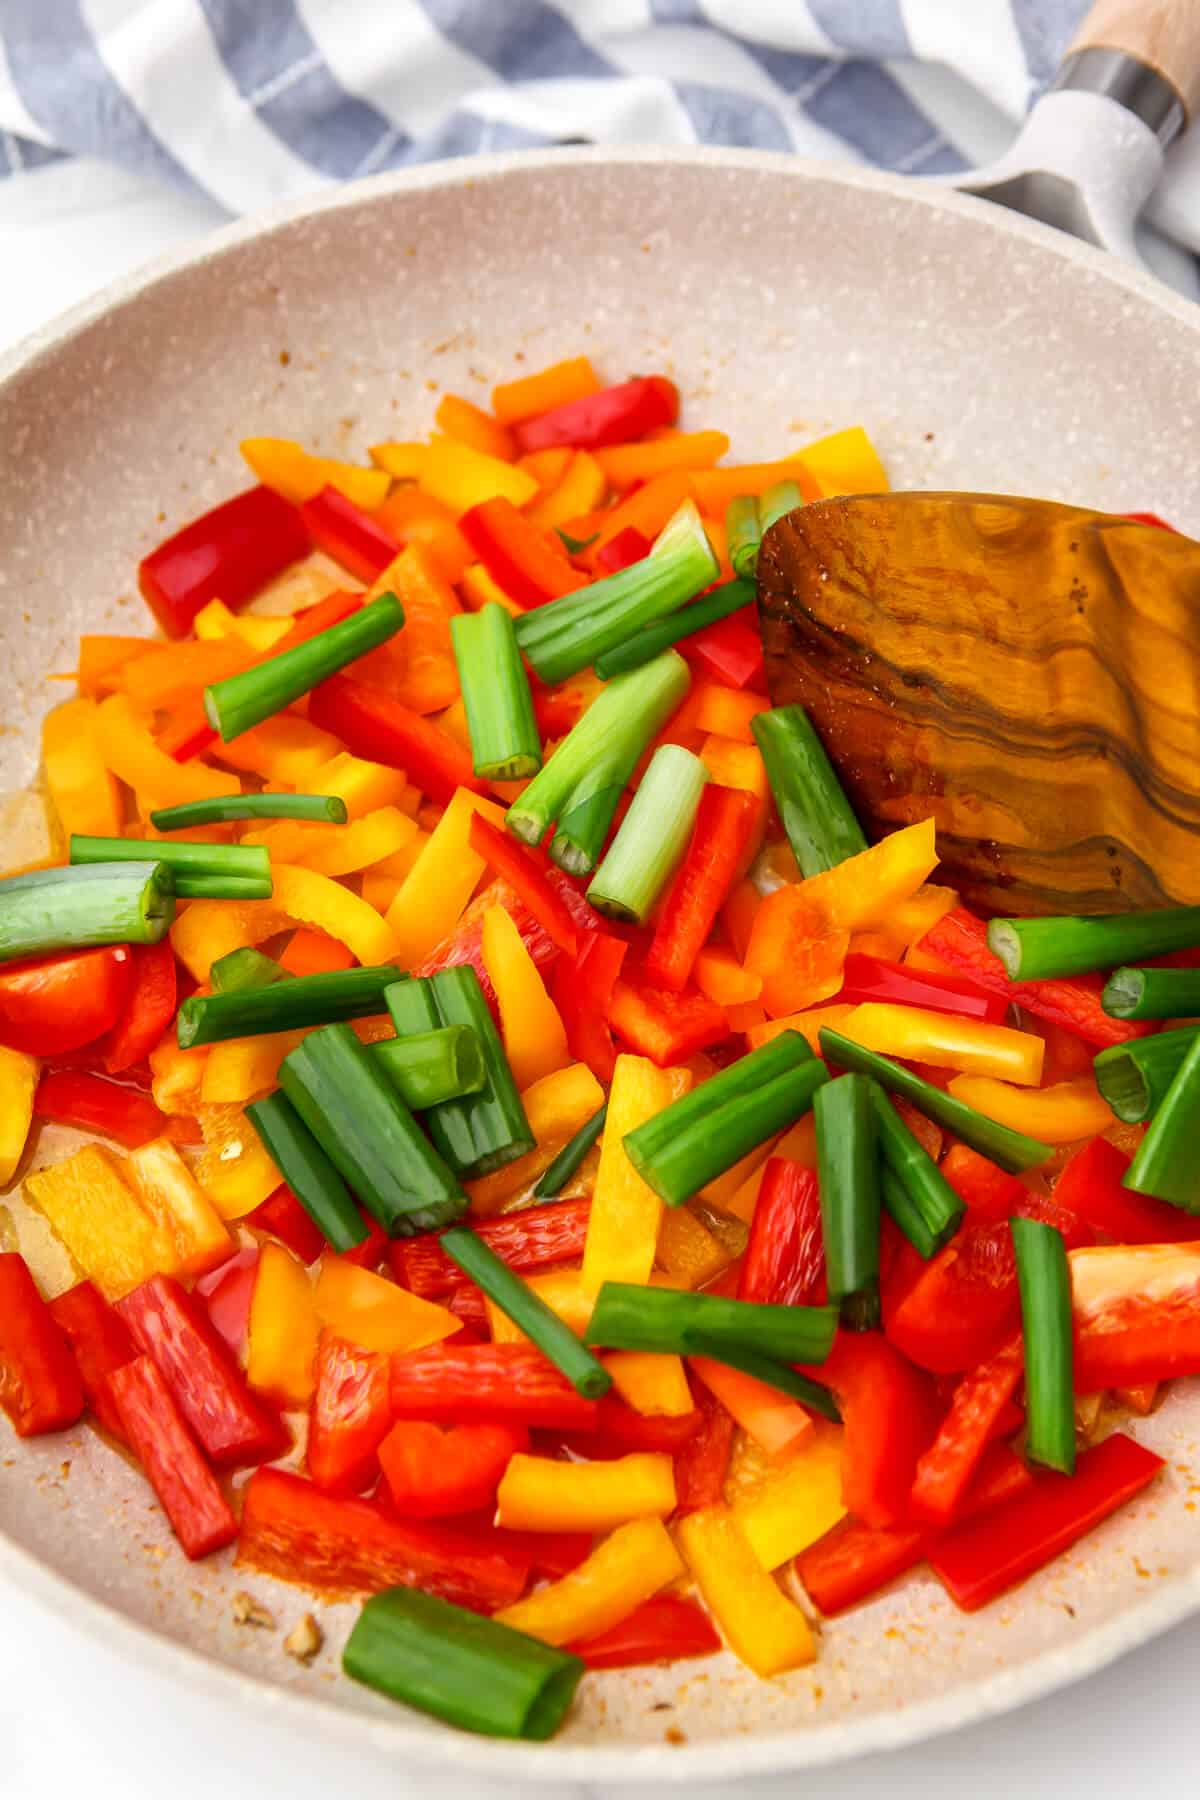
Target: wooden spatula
(1028, 673)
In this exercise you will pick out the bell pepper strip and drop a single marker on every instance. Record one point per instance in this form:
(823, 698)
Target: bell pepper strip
(99, 1343)
(535, 1040)
(433, 894)
(687, 1251)
(979, 1182)
(940, 1040)
(227, 1293)
(374, 726)
(517, 554)
(40, 1386)
(89, 1207)
(665, 1026)
(620, 1430)
(374, 1313)
(538, 1494)
(651, 1384)
(1062, 1114)
(767, 1631)
(1092, 1187)
(845, 462)
(799, 1501)
(556, 1108)
(702, 1463)
(82, 792)
(90, 1103)
(556, 386)
(229, 552)
(55, 1004)
(134, 756)
(982, 1558)
(460, 419)
(945, 1470)
(297, 475)
(171, 1327)
(340, 1546)
(523, 871)
(154, 1428)
(198, 1238)
(665, 1629)
(724, 825)
(627, 547)
(1137, 1314)
(582, 990)
(537, 1238)
(18, 1085)
(283, 1218)
(462, 477)
(148, 1011)
(772, 1420)
(615, 415)
(729, 650)
(798, 957)
(871, 978)
(623, 1572)
(283, 1330)
(623, 1225)
(890, 1412)
(503, 1384)
(784, 1264)
(719, 975)
(625, 464)
(433, 1472)
(350, 536)
(350, 1417)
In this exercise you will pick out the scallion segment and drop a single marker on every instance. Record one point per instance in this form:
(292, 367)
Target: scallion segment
(459, 1667)
(1045, 1283)
(743, 534)
(327, 809)
(290, 1005)
(669, 1322)
(567, 635)
(645, 645)
(652, 837)
(242, 970)
(780, 498)
(848, 1170)
(241, 701)
(913, 1188)
(308, 1171)
(1134, 1077)
(555, 1178)
(84, 908)
(517, 1300)
(1152, 994)
(505, 744)
(1042, 949)
(368, 1133)
(428, 1067)
(774, 1374)
(1166, 1164)
(201, 871)
(813, 810)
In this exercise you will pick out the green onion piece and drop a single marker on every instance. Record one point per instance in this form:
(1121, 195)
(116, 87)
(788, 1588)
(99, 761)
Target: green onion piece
(1166, 1164)
(644, 645)
(1152, 994)
(527, 1310)
(431, 1066)
(505, 743)
(814, 812)
(224, 887)
(848, 1170)
(1045, 1283)
(286, 1006)
(459, 1667)
(1011, 1149)
(914, 1190)
(586, 776)
(567, 635)
(244, 969)
(240, 701)
(555, 1178)
(201, 871)
(669, 1322)
(84, 908)
(780, 498)
(479, 1132)
(325, 808)
(743, 534)
(653, 836)
(1134, 1077)
(789, 1381)
(308, 1171)
(1041, 949)
(368, 1133)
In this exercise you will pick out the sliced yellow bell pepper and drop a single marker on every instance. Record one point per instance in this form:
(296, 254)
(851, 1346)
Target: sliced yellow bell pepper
(176, 1076)
(380, 890)
(299, 476)
(626, 1213)
(718, 974)
(535, 1039)
(243, 1069)
(441, 880)
(563, 1292)
(132, 755)
(687, 1251)
(376, 1314)
(18, 1081)
(403, 462)
(798, 1145)
(462, 478)
(234, 1169)
(912, 918)
(556, 1107)
(947, 1041)
(627, 1569)
(865, 889)
(480, 590)
(310, 898)
(283, 1330)
(652, 1384)
(82, 790)
(364, 786)
(797, 1502)
(462, 419)
(182, 1210)
(1061, 1114)
(206, 930)
(808, 1023)
(581, 490)
(98, 1218)
(760, 1625)
(338, 849)
(215, 621)
(846, 462)
(541, 1494)
(285, 750)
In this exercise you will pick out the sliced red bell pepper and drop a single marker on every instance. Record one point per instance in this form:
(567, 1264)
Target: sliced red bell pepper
(227, 1293)
(983, 1557)
(724, 826)
(1137, 1314)
(227, 554)
(582, 990)
(525, 874)
(960, 939)
(352, 537)
(702, 1464)
(622, 551)
(90, 1103)
(467, 1303)
(315, 619)
(157, 1433)
(1090, 1186)
(282, 1217)
(980, 1183)
(40, 1387)
(556, 709)
(99, 1342)
(374, 726)
(55, 1004)
(148, 1010)
(620, 1429)
(1149, 518)
(784, 1263)
(665, 1026)
(351, 1415)
(615, 415)
(169, 1325)
(435, 1472)
(945, 1470)
(534, 1239)
(341, 1546)
(464, 945)
(868, 978)
(492, 1384)
(890, 1413)
(664, 1629)
(730, 651)
(370, 1253)
(519, 557)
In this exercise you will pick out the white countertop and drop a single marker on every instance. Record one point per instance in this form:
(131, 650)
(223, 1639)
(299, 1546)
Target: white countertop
(78, 1721)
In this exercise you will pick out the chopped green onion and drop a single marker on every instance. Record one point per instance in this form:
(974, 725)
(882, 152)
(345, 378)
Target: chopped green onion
(780, 498)
(1011, 1149)
(645, 645)
(84, 908)
(286, 1006)
(1134, 1077)
(1045, 1283)
(743, 534)
(814, 812)
(326, 808)
(914, 1190)
(308, 1171)
(459, 1667)
(201, 871)
(567, 635)
(555, 1178)
(224, 887)
(671, 1323)
(1041, 949)
(1152, 994)
(241, 701)
(368, 1133)
(848, 1170)
(652, 837)
(244, 969)
(586, 776)
(505, 744)
(527, 1310)
(479, 1132)
(428, 1067)
(1166, 1164)
(779, 1375)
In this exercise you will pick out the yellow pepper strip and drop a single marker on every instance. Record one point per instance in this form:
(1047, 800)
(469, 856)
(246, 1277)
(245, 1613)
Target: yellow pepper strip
(845, 463)
(461, 477)
(912, 918)
(798, 1145)
(403, 462)
(627, 1569)
(376, 1314)
(206, 930)
(310, 898)
(234, 1169)
(283, 1330)
(441, 880)
(687, 1251)
(946, 1041)
(866, 888)
(626, 1213)
(652, 1384)
(215, 621)
(242, 1069)
(797, 1502)
(480, 589)
(18, 1080)
(364, 786)
(99, 1219)
(380, 890)
(623, 464)
(581, 490)
(541, 1494)
(556, 1107)
(808, 1023)
(299, 476)
(176, 1076)
(535, 1039)
(718, 974)
(462, 419)
(563, 1292)
(338, 849)
(284, 750)
(1061, 1114)
(171, 1195)
(132, 755)
(82, 791)
(761, 1626)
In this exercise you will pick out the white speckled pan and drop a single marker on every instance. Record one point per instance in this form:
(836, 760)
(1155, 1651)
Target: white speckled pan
(787, 299)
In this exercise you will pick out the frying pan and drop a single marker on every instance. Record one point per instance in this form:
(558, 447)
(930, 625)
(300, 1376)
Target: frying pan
(982, 350)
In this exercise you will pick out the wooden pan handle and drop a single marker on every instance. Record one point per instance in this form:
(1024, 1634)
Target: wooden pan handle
(1165, 34)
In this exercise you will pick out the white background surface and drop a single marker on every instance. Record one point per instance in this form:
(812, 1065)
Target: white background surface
(75, 1720)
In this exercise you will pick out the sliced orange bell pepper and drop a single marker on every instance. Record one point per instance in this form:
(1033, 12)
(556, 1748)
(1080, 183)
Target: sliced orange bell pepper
(535, 1040)
(298, 475)
(718, 973)
(623, 464)
(529, 395)
(845, 463)
(209, 929)
(727, 712)
(948, 1041)
(170, 1193)
(795, 951)
(738, 914)
(18, 1081)
(776, 1422)
(798, 1502)
(441, 881)
(81, 788)
(100, 657)
(539, 1493)
(311, 952)
(284, 750)
(556, 1107)
(283, 1330)
(364, 786)
(547, 467)
(628, 1568)
(799, 1145)
(167, 673)
(652, 1384)
(98, 1218)
(462, 478)
(562, 1290)
(460, 419)
(690, 1255)
(176, 1075)
(626, 1212)
(1063, 1114)
(767, 1631)
(713, 489)
(808, 1023)
(403, 462)
(581, 489)
(376, 1314)
(131, 754)
(912, 918)
(647, 509)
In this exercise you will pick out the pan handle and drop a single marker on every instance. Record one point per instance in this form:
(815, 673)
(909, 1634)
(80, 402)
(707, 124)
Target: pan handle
(1144, 53)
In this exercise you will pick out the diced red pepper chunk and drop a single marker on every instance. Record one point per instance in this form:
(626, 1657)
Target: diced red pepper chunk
(784, 1263)
(434, 1472)
(282, 1217)
(100, 1344)
(51, 1005)
(347, 534)
(665, 1629)
(351, 1415)
(615, 415)
(40, 1387)
(90, 1103)
(667, 1027)
(501, 1384)
(226, 554)
(200, 1515)
(148, 1010)
(536, 1238)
